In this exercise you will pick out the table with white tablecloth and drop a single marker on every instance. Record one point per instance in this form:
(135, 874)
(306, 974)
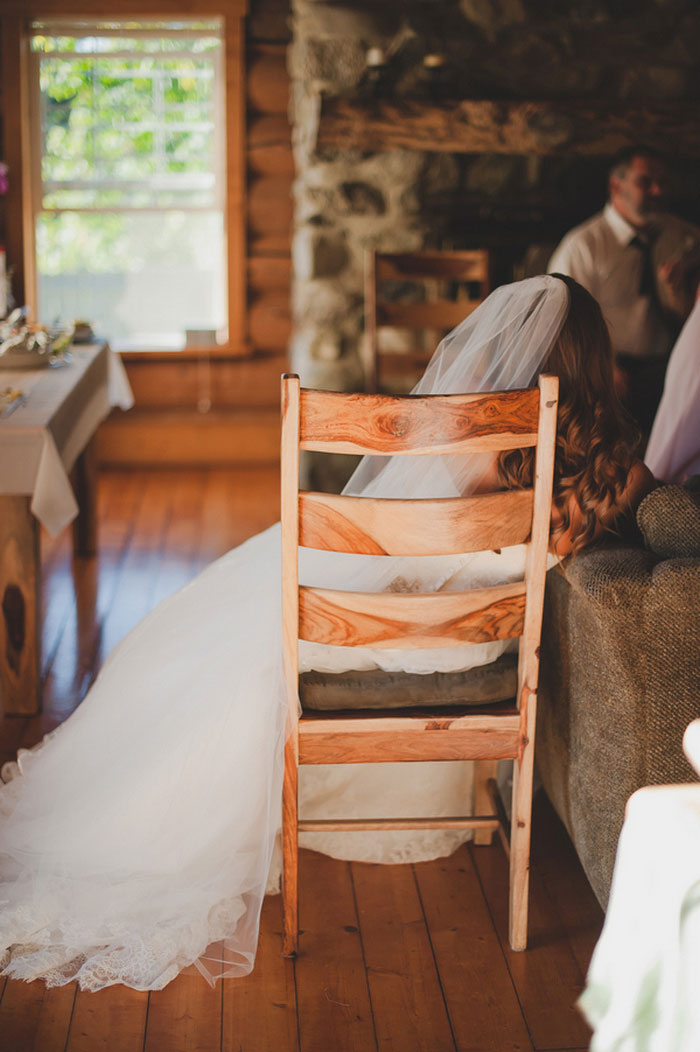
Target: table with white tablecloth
(45, 439)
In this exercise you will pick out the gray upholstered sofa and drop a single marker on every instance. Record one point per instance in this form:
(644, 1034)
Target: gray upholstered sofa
(620, 674)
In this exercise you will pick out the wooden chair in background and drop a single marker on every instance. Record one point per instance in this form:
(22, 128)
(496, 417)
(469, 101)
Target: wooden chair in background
(444, 288)
(455, 424)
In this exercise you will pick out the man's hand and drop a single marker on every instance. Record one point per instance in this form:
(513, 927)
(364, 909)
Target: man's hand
(674, 288)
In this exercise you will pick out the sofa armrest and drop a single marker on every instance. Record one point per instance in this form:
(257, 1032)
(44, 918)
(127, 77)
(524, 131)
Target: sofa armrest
(620, 680)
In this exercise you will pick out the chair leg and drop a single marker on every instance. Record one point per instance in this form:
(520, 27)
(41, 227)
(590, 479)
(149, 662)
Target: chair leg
(484, 770)
(290, 851)
(521, 821)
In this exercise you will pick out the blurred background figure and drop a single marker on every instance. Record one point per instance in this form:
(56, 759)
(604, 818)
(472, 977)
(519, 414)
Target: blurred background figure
(639, 262)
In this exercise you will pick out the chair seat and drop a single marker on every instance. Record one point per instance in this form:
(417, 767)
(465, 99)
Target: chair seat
(375, 689)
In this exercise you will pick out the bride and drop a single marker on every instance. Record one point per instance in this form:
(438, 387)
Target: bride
(138, 838)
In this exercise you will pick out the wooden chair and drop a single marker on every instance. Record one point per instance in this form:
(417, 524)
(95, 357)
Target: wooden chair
(331, 422)
(450, 286)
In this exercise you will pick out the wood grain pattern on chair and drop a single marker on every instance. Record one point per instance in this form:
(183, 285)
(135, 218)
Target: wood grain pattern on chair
(412, 426)
(370, 526)
(395, 619)
(386, 425)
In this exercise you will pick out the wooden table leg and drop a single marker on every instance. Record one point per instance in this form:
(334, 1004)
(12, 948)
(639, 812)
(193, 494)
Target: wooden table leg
(20, 635)
(85, 485)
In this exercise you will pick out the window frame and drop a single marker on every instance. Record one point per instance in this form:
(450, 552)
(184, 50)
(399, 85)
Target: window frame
(16, 17)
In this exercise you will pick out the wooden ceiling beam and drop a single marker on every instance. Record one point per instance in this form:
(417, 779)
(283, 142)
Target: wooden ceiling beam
(481, 126)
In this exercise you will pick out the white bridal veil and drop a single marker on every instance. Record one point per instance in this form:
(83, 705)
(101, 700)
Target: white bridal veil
(137, 839)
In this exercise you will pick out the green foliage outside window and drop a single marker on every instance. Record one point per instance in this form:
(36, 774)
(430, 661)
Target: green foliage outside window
(127, 123)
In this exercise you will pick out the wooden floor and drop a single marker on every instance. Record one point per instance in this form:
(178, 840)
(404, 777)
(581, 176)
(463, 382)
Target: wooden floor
(398, 958)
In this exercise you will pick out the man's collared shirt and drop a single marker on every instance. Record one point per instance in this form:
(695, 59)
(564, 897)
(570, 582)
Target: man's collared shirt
(600, 255)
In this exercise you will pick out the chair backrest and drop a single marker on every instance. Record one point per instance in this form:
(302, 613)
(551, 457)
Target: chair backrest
(415, 426)
(416, 297)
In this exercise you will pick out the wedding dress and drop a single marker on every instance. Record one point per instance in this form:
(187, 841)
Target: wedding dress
(138, 838)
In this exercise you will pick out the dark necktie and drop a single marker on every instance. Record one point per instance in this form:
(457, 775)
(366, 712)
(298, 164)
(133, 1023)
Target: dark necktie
(647, 278)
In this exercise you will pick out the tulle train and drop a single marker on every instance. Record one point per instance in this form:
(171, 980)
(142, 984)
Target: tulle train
(156, 804)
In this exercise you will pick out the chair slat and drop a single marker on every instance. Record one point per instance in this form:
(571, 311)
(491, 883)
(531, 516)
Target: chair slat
(339, 825)
(405, 363)
(428, 527)
(441, 315)
(481, 722)
(422, 266)
(501, 743)
(406, 620)
(437, 314)
(340, 423)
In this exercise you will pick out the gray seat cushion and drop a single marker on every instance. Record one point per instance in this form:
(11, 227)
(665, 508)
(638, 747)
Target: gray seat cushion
(483, 685)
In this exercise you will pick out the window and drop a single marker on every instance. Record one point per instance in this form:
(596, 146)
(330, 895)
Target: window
(128, 180)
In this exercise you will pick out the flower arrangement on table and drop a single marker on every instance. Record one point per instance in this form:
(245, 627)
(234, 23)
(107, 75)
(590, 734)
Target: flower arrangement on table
(29, 346)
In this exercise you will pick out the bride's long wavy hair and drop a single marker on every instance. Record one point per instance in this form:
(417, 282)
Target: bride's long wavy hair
(596, 438)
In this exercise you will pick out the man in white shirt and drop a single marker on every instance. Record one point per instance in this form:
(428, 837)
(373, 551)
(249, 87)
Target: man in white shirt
(633, 258)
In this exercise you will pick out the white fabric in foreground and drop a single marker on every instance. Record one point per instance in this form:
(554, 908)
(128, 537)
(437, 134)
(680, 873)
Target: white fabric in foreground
(642, 990)
(673, 453)
(156, 805)
(142, 831)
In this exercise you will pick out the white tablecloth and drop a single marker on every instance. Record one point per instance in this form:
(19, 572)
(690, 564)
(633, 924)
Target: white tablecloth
(41, 440)
(643, 989)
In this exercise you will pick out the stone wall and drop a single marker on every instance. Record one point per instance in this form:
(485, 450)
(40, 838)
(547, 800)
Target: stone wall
(640, 50)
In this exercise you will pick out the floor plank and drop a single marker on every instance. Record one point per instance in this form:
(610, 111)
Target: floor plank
(251, 508)
(546, 976)
(218, 532)
(332, 995)
(139, 569)
(185, 1015)
(124, 495)
(407, 1002)
(557, 866)
(181, 541)
(111, 1020)
(480, 995)
(34, 1019)
(260, 1011)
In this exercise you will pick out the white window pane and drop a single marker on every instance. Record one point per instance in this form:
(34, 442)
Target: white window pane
(130, 130)
(142, 279)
